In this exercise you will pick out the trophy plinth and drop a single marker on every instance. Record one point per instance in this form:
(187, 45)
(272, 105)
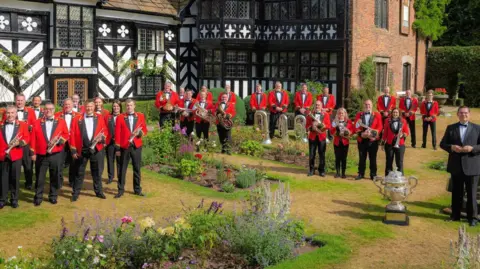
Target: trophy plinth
(396, 188)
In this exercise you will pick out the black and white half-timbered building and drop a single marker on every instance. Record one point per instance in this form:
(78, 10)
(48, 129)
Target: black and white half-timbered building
(98, 47)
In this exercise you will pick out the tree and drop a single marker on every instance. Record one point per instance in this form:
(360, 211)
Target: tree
(429, 17)
(463, 24)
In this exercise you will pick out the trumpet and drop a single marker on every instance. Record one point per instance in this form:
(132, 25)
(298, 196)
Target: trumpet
(373, 132)
(135, 133)
(222, 118)
(399, 136)
(13, 143)
(53, 142)
(97, 139)
(260, 119)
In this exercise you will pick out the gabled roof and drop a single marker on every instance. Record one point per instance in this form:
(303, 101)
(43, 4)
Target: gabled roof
(161, 7)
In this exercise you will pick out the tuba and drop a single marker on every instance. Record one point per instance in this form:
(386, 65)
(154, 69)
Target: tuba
(222, 118)
(260, 120)
(299, 126)
(283, 126)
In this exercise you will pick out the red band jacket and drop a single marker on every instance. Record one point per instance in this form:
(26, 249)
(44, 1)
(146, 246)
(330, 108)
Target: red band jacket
(229, 110)
(328, 103)
(404, 108)
(299, 103)
(255, 105)
(312, 135)
(390, 133)
(432, 112)
(78, 133)
(191, 105)
(39, 142)
(386, 106)
(232, 98)
(208, 106)
(274, 101)
(209, 97)
(19, 128)
(123, 131)
(160, 104)
(374, 123)
(336, 136)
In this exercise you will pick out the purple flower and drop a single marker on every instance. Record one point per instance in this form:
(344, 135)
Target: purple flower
(176, 128)
(184, 131)
(99, 238)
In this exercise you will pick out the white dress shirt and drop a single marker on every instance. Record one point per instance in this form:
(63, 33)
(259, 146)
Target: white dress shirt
(409, 102)
(318, 116)
(385, 100)
(89, 127)
(279, 96)
(259, 98)
(367, 118)
(202, 104)
(75, 109)
(223, 106)
(20, 115)
(395, 125)
(167, 95)
(463, 130)
(68, 120)
(9, 131)
(130, 121)
(48, 128)
(187, 103)
(304, 95)
(325, 100)
(37, 112)
(429, 105)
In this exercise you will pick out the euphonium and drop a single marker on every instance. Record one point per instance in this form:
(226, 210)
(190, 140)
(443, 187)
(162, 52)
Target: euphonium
(260, 119)
(283, 126)
(222, 118)
(299, 126)
(317, 125)
(373, 132)
(204, 113)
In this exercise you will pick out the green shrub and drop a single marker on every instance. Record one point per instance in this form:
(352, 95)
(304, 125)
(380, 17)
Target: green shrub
(148, 156)
(241, 134)
(21, 261)
(228, 187)
(146, 107)
(189, 168)
(252, 148)
(221, 176)
(367, 89)
(438, 165)
(241, 114)
(246, 178)
(459, 102)
(168, 171)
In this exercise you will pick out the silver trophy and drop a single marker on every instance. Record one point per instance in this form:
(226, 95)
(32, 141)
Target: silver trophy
(396, 188)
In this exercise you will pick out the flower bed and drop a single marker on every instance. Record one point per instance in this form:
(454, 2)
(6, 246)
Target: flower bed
(260, 235)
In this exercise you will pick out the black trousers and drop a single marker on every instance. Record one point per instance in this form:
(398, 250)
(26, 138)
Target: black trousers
(81, 164)
(313, 147)
(433, 127)
(273, 123)
(10, 180)
(367, 148)
(341, 153)
(67, 156)
(225, 137)
(189, 125)
(111, 159)
(202, 128)
(27, 166)
(164, 117)
(53, 163)
(411, 126)
(135, 154)
(394, 153)
(460, 182)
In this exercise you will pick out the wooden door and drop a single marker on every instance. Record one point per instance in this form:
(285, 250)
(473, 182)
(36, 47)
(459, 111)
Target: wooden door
(66, 87)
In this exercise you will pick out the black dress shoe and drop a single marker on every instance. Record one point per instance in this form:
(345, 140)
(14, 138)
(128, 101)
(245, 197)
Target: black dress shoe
(372, 177)
(14, 204)
(53, 201)
(424, 147)
(101, 196)
(74, 198)
(337, 175)
(139, 194)
(2, 206)
(37, 203)
(118, 195)
(473, 223)
(413, 146)
(310, 173)
(110, 180)
(435, 148)
(28, 187)
(451, 219)
(322, 174)
(344, 176)
(359, 177)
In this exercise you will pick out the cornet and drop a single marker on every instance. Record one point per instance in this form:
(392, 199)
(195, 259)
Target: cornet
(13, 143)
(97, 139)
(53, 142)
(399, 136)
(135, 133)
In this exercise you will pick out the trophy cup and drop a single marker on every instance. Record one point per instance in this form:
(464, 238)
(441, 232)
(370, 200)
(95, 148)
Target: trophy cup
(396, 188)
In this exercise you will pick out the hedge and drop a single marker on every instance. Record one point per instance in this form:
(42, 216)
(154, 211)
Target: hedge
(444, 66)
(239, 106)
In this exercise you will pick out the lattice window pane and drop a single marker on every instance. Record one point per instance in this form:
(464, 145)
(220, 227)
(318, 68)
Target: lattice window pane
(266, 71)
(207, 70)
(62, 91)
(149, 85)
(88, 39)
(231, 56)
(323, 9)
(266, 57)
(75, 38)
(268, 11)
(29, 24)
(323, 73)
(62, 15)
(230, 11)
(158, 84)
(283, 72)
(314, 73)
(284, 11)
(305, 59)
(62, 37)
(230, 70)
(216, 70)
(292, 9)
(283, 57)
(208, 56)
(333, 74)
(150, 40)
(315, 59)
(291, 71)
(5, 22)
(274, 57)
(215, 9)
(333, 58)
(314, 9)
(291, 57)
(142, 39)
(242, 57)
(257, 10)
(206, 8)
(274, 71)
(275, 11)
(75, 12)
(243, 9)
(306, 9)
(217, 56)
(79, 87)
(159, 40)
(241, 71)
(304, 73)
(332, 9)
(323, 58)
(381, 76)
(87, 17)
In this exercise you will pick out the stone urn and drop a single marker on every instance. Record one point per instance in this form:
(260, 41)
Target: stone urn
(441, 99)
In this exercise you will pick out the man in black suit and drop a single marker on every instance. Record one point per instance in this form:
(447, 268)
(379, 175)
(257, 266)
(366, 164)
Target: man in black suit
(462, 142)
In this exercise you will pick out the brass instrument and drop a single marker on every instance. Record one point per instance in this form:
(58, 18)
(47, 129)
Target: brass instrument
(283, 126)
(317, 126)
(300, 122)
(260, 120)
(97, 139)
(168, 106)
(53, 142)
(135, 133)
(373, 133)
(222, 118)
(204, 113)
(342, 128)
(399, 136)
(13, 143)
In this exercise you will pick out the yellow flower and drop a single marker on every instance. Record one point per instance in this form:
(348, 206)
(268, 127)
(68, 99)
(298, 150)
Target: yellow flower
(137, 237)
(160, 231)
(180, 221)
(169, 230)
(147, 223)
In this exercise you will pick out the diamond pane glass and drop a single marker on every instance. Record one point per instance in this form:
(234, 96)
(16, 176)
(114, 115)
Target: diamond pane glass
(75, 36)
(333, 58)
(218, 56)
(304, 73)
(62, 37)
(323, 9)
(62, 15)
(207, 70)
(5, 22)
(323, 73)
(243, 9)
(87, 17)
(332, 9)
(150, 40)
(87, 39)
(323, 58)
(206, 8)
(283, 71)
(275, 11)
(306, 9)
(284, 11)
(215, 9)
(314, 73)
(62, 91)
(315, 58)
(80, 87)
(216, 70)
(305, 58)
(75, 16)
(314, 9)
(208, 58)
(142, 45)
(292, 6)
(231, 57)
(268, 11)
(230, 9)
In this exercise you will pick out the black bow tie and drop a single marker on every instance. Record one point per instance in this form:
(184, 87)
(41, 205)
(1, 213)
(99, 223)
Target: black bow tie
(37, 109)
(9, 123)
(20, 110)
(131, 115)
(49, 119)
(89, 116)
(367, 113)
(463, 125)
(395, 120)
(68, 113)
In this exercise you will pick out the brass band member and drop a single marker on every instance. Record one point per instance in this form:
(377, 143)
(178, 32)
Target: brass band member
(258, 100)
(208, 94)
(408, 106)
(342, 129)
(37, 107)
(130, 127)
(87, 137)
(328, 101)
(368, 126)
(317, 125)
(13, 138)
(165, 101)
(386, 103)
(395, 131)
(187, 119)
(76, 104)
(100, 110)
(225, 113)
(231, 96)
(181, 94)
(278, 101)
(201, 125)
(429, 110)
(26, 115)
(68, 115)
(303, 100)
(49, 135)
(111, 158)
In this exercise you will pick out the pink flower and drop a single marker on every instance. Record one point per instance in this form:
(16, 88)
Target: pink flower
(127, 219)
(100, 238)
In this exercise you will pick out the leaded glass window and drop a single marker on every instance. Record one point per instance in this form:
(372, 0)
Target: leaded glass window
(280, 10)
(236, 63)
(236, 9)
(279, 65)
(318, 66)
(381, 13)
(149, 39)
(407, 76)
(381, 76)
(74, 26)
(319, 9)
(149, 85)
(212, 62)
(210, 9)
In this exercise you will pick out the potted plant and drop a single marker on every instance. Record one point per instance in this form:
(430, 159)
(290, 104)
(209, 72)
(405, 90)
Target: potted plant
(440, 95)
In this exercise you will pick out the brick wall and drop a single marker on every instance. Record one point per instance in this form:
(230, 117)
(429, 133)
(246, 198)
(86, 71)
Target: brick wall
(368, 40)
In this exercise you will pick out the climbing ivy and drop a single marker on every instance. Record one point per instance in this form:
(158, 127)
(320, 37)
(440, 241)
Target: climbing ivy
(367, 87)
